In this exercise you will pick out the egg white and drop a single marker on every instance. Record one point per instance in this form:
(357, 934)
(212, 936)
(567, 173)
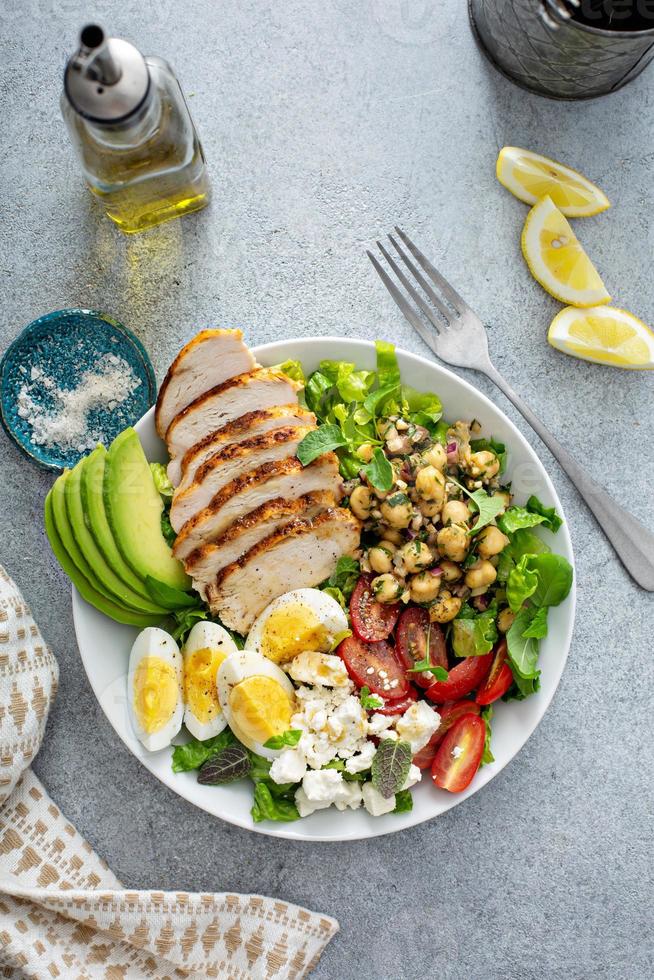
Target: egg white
(324, 608)
(154, 642)
(205, 635)
(236, 668)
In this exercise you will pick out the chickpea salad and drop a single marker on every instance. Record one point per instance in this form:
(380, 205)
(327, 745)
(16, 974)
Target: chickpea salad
(350, 693)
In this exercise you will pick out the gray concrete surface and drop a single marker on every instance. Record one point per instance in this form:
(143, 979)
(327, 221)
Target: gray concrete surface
(324, 124)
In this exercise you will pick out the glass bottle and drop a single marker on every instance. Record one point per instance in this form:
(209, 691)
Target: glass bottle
(133, 133)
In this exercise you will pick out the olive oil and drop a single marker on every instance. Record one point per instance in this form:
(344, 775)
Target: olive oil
(133, 133)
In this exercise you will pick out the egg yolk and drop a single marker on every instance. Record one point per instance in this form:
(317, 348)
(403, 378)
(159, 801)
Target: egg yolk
(200, 694)
(290, 630)
(261, 708)
(155, 693)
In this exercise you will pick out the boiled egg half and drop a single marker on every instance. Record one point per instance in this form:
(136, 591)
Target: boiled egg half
(208, 644)
(154, 688)
(257, 699)
(305, 619)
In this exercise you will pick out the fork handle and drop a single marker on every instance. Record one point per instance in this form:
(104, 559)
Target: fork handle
(632, 541)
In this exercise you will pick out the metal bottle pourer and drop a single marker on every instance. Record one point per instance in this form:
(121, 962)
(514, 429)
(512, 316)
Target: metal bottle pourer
(107, 79)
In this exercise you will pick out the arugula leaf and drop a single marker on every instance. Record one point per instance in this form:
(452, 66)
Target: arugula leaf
(289, 738)
(390, 766)
(521, 583)
(538, 626)
(522, 542)
(370, 702)
(292, 369)
(492, 445)
(551, 519)
(522, 650)
(517, 517)
(474, 634)
(344, 577)
(378, 471)
(267, 807)
(487, 507)
(388, 371)
(227, 766)
(185, 620)
(487, 756)
(321, 440)
(554, 579)
(193, 754)
(161, 481)
(403, 801)
(425, 665)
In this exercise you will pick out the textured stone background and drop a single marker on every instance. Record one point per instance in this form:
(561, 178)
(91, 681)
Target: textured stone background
(324, 124)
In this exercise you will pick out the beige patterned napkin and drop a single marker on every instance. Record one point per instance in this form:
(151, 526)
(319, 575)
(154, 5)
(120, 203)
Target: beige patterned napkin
(63, 913)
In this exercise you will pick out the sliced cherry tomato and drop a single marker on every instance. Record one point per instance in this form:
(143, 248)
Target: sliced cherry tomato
(411, 643)
(459, 754)
(465, 677)
(400, 706)
(375, 666)
(499, 680)
(371, 620)
(450, 714)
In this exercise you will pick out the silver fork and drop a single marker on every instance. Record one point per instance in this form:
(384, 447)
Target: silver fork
(457, 336)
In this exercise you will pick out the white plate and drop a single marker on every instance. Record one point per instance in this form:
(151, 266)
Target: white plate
(104, 645)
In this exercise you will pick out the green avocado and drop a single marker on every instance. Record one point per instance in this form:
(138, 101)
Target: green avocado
(134, 508)
(94, 557)
(83, 586)
(65, 534)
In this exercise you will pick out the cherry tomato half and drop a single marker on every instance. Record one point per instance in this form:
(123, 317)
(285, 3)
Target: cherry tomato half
(450, 714)
(400, 706)
(411, 635)
(375, 666)
(371, 620)
(499, 680)
(459, 754)
(465, 677)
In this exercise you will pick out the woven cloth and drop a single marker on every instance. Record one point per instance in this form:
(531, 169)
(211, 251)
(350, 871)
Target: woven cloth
(63, 913)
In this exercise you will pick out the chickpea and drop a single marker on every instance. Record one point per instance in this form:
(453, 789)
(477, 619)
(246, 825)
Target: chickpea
(416, 555)
(480, 575)
(451, 572)
(484, 464)
(392, 537)
(436, 457)
(380, 559)
(365, 452)
(361, 502)
(430, 484)
(397, 510)
(491, 541)
(453, 542)
(386, 588)
(429, 508)
(445, 608)
(455, 512)
(505, 620)
(424, 587)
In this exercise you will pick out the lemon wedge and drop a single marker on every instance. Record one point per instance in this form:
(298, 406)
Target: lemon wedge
(605, 335)
(557, 260)
(530, 176)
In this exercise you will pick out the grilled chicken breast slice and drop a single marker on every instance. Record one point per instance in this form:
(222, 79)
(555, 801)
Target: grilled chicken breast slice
(228, 464)
(285, 478)
(262, 388)
(300, 555)
(182, 470)
(208, 360)
(204, 564)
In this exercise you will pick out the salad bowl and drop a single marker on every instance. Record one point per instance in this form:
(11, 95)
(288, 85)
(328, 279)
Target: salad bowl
(104, 644)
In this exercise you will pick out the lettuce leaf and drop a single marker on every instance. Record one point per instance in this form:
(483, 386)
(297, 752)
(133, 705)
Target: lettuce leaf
(473, 633)
(551, 519)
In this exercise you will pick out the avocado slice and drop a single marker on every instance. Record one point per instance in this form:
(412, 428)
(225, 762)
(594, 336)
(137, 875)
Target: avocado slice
(83, 586)
(65, 533)
(134, 508)
(94, 557)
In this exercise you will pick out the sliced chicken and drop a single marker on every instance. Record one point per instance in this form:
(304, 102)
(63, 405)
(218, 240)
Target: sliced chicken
(229, 464)
(181, 471)
(205, 563)
(258, 389)
(208, 360)
(285, 478)
(300, 555)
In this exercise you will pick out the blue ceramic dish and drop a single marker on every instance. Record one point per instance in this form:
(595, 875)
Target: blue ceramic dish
(63, 345)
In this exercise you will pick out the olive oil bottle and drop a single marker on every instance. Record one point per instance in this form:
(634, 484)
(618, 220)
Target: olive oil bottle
(133, 133)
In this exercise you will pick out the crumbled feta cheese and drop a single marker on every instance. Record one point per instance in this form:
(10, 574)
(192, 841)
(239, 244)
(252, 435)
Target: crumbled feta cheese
(317, 748)
(323, 785)
(391, 734)
(375, 803)
(289, 766)
(323, 669)
(363, 759)
(417, 725)
(351, 796)
(379, 723)
(413, 777)
(305, 806)
(349, 720)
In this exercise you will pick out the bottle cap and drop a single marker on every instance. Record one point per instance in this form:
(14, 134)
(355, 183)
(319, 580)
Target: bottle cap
(107, 79)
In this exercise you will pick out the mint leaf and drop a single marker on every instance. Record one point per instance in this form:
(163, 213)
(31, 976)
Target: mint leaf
(195, 753)
(517, 517)
(321, 440)
(379, 472)
(487, 756)
(232, 763)
(554, 579)
(370, 702)
(521, 583)
(267, 807)
(390, 767)
(403, 801)
(289, 738)
(551, 519)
